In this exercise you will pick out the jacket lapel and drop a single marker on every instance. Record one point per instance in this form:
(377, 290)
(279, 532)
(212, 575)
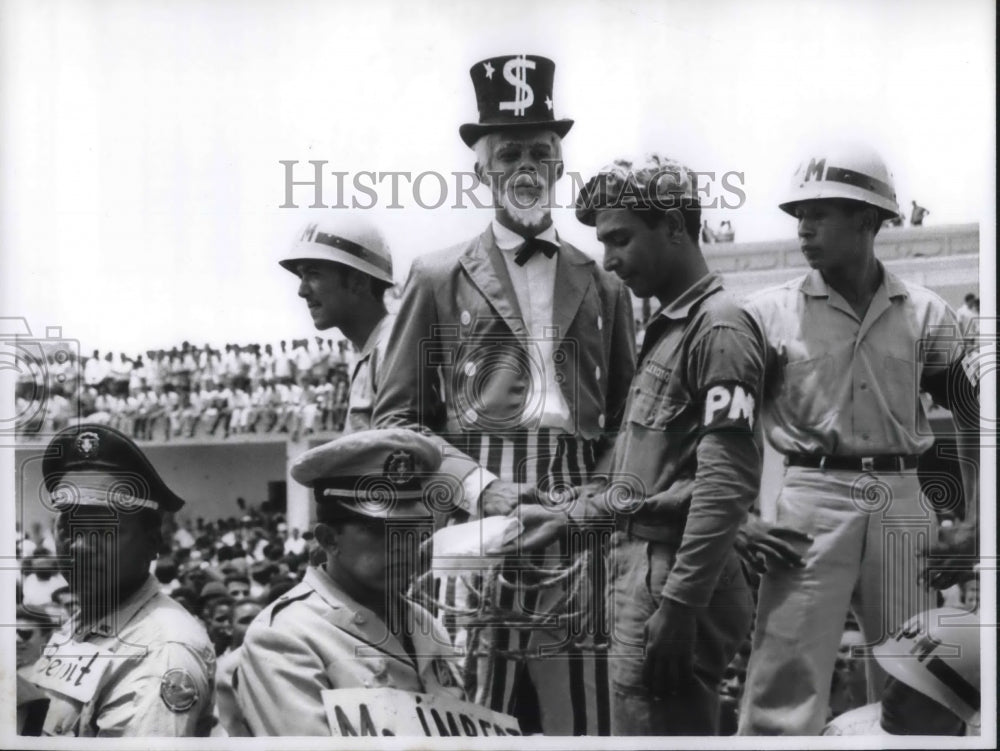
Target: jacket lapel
(488, 272)
(573, 277)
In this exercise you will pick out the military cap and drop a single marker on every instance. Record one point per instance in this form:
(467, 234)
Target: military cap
(348, 239)
(374, 473)
(94, 465)
(650, 182)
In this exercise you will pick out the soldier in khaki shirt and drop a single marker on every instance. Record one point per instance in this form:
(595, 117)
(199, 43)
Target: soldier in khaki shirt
(345, 267)
(850, 347)
(348, 625)
(130, 661)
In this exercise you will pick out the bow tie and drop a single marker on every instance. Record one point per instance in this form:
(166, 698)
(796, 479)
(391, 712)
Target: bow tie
(534, 245)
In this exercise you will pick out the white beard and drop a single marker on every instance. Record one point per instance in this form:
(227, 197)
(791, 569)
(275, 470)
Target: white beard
(530, 217)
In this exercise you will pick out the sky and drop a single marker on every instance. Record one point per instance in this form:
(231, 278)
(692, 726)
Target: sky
(141, 143)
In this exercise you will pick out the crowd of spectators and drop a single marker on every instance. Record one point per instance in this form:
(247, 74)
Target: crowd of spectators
(187, 392)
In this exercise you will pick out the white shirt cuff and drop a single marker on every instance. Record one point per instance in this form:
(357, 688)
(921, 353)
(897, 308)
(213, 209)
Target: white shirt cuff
(473, 485)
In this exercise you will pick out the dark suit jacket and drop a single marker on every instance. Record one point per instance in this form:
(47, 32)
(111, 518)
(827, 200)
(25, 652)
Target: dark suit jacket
(460, 356)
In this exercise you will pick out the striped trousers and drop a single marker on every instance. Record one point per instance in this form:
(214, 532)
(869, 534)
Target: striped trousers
(553, 676)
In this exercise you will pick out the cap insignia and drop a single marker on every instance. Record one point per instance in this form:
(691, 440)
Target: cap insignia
(399, 467)
(87, 445)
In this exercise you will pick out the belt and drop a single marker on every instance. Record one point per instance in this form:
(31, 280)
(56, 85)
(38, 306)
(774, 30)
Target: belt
(880, 463)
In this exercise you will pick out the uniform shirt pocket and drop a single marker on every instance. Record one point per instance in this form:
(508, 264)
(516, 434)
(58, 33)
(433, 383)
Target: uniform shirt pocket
(805, 389)
(655, 410)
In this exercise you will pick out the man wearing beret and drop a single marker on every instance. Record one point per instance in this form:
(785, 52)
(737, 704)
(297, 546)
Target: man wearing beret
(348, 625)
(344, 268)
(131, 661)
(516, 350)
(681, 604)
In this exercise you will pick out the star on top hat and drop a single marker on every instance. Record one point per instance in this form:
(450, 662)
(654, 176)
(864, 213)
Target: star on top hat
(513, 91)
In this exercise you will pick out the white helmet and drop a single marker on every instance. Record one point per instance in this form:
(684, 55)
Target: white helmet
(937, 653)
(852, 171)
(346, 238)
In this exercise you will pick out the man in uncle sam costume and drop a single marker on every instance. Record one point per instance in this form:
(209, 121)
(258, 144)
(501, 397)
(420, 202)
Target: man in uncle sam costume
(348, 624)
(516, 351)
(131, 661)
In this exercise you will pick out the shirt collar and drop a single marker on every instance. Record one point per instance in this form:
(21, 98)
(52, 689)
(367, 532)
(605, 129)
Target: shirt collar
(814, 285)
(679, 309)
(508, 239)
(105, 626)
(333, 594)
(372, 340)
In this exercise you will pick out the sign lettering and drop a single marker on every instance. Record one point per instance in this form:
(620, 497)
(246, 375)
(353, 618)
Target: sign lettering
(741, 404)
(76, 676)
(391, 712)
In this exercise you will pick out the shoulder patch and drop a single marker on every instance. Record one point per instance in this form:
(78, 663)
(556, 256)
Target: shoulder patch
(284, 602)
(178, 690)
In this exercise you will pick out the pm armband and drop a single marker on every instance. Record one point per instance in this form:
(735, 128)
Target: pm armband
(728, 406)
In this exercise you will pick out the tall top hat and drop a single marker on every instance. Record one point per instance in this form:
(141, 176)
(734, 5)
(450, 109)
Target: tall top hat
(513, 91)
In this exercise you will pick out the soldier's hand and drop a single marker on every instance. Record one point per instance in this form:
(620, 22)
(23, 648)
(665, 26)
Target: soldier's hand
(668, 668)
(952, 556)
(499, 498)
(761, 545)
(541, 527)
